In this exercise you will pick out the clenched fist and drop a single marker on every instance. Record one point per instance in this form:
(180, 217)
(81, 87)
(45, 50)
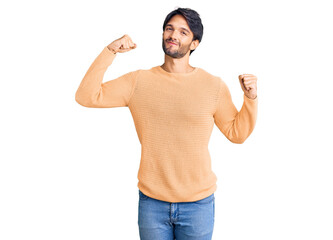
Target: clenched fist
(122, 44)
(249, 85)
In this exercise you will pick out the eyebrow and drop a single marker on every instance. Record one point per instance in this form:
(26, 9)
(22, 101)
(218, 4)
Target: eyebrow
(181, 27)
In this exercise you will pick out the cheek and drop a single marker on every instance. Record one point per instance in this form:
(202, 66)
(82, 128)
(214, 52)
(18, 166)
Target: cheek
(185, 43)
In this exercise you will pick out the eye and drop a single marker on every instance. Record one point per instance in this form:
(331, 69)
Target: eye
(184, 33)
(168, 28)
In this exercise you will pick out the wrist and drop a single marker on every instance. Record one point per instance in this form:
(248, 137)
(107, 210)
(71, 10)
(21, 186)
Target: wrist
(112, 50)
(251, 97)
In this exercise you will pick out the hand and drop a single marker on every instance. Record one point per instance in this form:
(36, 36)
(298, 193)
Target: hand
(123, 44)
(249, 85)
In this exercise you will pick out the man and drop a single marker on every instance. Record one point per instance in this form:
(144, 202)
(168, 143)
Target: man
(174, 107)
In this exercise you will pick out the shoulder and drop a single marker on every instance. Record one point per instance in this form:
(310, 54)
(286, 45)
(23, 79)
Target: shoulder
(144, 71)
(209, 76)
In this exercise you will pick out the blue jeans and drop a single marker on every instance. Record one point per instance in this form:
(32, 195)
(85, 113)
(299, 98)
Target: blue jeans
(160, 220)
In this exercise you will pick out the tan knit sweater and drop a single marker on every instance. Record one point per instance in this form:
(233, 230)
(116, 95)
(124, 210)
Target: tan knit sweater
(174, 115)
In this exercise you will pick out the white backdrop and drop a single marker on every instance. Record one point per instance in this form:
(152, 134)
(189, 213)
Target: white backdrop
(70, 172)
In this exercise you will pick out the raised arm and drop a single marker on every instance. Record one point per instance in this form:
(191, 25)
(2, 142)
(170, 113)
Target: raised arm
(235, 125)
(92, 92)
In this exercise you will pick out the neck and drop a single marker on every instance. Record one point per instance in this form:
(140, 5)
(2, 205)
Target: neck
(177, 65)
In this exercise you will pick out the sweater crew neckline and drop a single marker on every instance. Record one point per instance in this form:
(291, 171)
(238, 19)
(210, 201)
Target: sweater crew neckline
(160, 69)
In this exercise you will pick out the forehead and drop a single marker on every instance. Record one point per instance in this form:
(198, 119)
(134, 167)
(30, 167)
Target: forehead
(179, 21)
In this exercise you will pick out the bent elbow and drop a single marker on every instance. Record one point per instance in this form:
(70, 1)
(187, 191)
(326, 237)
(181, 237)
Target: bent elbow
(77, 99)
(236, 136)
(237, 140)
(82, 101)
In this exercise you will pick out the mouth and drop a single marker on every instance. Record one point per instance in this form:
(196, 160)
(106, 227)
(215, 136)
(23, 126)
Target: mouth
(171, 43)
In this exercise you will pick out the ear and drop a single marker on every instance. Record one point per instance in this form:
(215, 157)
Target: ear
(194, 44)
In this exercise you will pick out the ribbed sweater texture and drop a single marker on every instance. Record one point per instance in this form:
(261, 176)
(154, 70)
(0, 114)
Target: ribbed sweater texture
(174, 115)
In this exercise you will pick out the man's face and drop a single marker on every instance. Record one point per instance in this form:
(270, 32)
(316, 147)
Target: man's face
(177, 37)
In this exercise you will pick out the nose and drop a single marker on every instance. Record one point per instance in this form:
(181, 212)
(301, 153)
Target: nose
(174, 34)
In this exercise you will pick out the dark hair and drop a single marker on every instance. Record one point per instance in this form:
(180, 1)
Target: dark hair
(193, 20)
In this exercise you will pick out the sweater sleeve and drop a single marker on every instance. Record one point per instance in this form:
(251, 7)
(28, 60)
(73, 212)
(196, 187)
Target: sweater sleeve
(236, 126)
(92, 92)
